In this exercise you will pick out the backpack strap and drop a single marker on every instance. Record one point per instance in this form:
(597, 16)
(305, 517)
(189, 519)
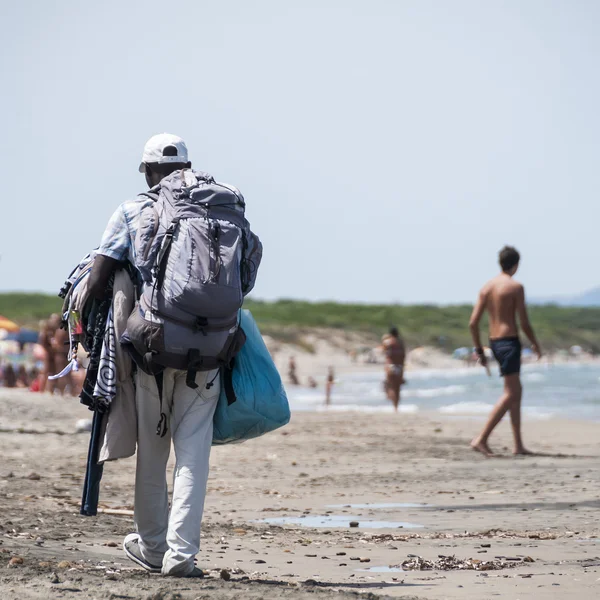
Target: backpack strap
(228, 383)
(195, 362)
(161, 428)
(164, 249)
(199, 324)
(190, 379)
(150, 194)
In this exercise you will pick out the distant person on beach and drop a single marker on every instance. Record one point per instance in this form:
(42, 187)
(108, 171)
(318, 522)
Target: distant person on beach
(60, 350)
(10, 377)
(292, 375)
(22, 377)
(504, 300)
(45, 341)
(329, 385)
(34, 379)
(395, 355)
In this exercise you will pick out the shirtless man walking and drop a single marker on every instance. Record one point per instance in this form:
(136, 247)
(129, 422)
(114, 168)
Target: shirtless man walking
(395, 355)
(504, 300)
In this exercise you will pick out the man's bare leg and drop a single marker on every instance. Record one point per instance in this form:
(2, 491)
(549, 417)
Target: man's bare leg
(43, 376)
(396, 396)
(392, 389)
(515, 416)
(50, 386)
(512, 394)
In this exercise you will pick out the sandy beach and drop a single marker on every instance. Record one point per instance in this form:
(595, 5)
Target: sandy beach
(411, 483)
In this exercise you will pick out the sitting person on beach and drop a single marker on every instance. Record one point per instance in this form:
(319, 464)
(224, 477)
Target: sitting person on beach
(22, 377)
(504, 300)
(329, 385)
(395, 355)
(9, 376)
(293, 376)
(34, 379)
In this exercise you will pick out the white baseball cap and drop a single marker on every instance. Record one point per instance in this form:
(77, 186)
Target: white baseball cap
(155, 146)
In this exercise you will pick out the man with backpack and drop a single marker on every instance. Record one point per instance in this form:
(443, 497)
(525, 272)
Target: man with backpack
(196, 259)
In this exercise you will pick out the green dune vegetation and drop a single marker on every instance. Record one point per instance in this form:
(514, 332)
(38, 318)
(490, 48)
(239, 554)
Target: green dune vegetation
(425, 325)
(440, 326)
(28, 309)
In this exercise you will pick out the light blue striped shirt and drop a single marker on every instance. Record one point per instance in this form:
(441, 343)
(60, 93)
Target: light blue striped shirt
(119, 235)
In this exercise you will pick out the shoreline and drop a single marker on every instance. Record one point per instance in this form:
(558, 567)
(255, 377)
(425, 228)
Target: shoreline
(449, 396)
(419, 360)
(565, 390)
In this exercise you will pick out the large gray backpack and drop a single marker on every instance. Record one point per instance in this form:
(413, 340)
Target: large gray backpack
(198, 259)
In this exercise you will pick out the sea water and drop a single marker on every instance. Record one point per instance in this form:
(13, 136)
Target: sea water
(569, 390)
(342, 521)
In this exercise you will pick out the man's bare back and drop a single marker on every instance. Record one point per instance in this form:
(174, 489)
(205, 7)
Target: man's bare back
(504, 300)
(502, 296)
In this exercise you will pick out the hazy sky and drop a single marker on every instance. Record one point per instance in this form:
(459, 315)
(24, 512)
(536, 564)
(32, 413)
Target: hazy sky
(386, 149)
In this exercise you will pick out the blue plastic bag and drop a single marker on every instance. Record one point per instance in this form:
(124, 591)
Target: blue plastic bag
(252, 400)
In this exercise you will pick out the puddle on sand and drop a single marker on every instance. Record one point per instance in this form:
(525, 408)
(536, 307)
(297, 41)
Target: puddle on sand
(337, 521)
(383, 505)
(382, 570)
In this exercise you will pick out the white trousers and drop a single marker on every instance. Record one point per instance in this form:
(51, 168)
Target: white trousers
(173, 540)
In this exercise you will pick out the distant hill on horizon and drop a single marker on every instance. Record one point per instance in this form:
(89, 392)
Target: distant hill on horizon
(588, 298)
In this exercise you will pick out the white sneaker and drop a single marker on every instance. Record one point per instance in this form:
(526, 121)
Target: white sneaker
(195, 572)
(131, 546)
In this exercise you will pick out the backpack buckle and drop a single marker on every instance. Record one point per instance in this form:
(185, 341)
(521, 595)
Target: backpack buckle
(194, 365)
(200, 324)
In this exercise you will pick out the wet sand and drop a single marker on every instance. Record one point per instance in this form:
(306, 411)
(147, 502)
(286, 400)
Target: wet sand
(419, 489)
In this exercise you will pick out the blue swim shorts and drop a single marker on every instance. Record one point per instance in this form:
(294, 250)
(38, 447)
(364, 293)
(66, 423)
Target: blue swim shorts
(507, 352)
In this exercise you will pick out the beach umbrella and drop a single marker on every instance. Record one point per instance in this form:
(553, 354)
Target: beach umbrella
(23, 336)
(8, 325)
